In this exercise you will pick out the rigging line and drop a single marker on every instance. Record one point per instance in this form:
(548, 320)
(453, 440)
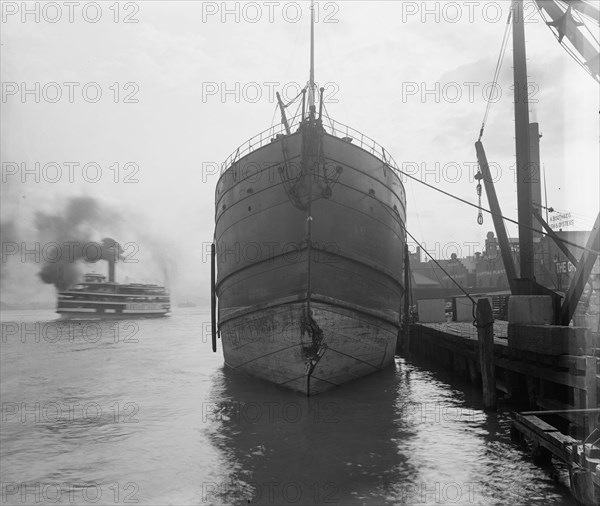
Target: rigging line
(387, 208)
(543, 232)
(297, 113)
(273, 118)
(295, 98)
(445, 271)
(545, 194)
(331, 123)
(503, 47)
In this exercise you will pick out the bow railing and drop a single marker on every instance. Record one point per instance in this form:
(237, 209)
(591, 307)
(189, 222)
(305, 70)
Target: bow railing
(330, 126)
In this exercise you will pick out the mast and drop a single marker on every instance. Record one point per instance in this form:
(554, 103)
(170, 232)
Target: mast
(311, 80)
(522, 144)
(535, 179)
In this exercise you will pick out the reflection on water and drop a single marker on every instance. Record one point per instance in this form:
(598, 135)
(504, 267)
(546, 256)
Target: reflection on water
(332, 448)
(143, 412)
(399, 437)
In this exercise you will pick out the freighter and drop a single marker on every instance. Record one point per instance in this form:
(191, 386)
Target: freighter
(99, 298)
(308, 252)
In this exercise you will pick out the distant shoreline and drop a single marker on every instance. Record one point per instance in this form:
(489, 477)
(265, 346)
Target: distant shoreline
(7, 306)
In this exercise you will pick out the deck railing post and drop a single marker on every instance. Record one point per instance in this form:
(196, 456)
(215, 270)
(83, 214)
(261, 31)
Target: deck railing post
(485, 336)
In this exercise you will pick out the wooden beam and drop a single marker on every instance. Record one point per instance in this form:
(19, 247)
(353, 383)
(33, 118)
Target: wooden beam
(560, 244)
(561, 411)
(522, 148)
(485, 334)
(584, 269)
(490, 191)
(591, 391)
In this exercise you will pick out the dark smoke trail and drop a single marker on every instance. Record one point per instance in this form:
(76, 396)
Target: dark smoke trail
(67, 241)
(8, 243)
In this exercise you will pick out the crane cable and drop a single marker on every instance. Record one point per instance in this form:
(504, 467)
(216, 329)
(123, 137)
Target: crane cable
(503, 46)
(505, 218)
(496, 72)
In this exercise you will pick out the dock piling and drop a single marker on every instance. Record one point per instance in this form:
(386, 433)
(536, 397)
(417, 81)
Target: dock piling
(485, 336)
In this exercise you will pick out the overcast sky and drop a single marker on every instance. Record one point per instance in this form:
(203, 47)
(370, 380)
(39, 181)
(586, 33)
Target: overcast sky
(184, 83)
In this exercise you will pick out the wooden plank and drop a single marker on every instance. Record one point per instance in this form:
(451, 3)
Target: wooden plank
(592, 463)
(565, 440)
(536, 423)
(558, 412)
(557, 442)
(585, 266)
(556, 448)
(573, 362)
(500, 385)
(562, 378)
(567, 409)
(591, 393)
(550, 339)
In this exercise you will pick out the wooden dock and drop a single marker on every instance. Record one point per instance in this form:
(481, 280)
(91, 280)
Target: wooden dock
(553, 372)
(540, 371)
(582, 457)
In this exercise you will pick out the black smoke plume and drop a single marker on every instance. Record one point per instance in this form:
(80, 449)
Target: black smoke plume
(8, 242)
(67, 241)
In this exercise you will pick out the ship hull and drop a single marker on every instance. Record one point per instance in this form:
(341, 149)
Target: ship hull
(78, 311)
(309, 243)
(270, 344)
(92, 315)
(102, 305)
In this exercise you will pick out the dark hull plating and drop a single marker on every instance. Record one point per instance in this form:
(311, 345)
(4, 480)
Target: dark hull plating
(309, 241)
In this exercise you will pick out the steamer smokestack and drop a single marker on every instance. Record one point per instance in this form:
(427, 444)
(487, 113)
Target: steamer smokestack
(111, 271)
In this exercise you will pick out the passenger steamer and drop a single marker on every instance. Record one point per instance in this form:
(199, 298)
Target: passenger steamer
(309, 245)
(99, 298)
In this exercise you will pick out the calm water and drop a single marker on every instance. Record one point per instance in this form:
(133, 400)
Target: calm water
(142, 412)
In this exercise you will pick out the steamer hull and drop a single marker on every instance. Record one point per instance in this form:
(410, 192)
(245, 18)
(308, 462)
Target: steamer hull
(115, 312)
(98, 299)
(309, 246)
